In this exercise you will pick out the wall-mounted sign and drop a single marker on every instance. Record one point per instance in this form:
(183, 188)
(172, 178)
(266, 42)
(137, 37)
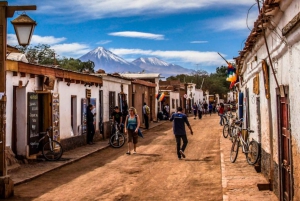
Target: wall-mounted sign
(33, 123)
(256, 84)
(55, 116)
(266, 78)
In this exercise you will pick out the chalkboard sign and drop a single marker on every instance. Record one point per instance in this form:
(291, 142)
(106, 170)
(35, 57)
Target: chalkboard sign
(33, 123)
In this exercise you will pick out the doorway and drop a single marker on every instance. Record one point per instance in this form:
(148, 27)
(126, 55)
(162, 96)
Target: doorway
(285, 149)
(74, 115)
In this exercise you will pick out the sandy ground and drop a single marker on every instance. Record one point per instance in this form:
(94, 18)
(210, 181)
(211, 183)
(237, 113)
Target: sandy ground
(154, 173)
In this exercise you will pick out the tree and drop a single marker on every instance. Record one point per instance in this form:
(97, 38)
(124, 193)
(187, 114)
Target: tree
(44, 55)
(41, 54)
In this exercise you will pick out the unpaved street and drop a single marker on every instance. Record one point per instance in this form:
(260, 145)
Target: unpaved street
(154, 173)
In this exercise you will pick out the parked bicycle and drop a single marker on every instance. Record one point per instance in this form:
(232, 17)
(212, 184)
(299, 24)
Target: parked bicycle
(51, 150)
(251, 148)
(228, 120)
(117, 139)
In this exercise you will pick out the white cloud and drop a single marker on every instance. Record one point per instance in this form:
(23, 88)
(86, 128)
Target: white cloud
(135, 34)
(234, 22)
(35, 40)
(120, 8)
(186, 56)
(74, 50)
(199, 41)
(103, 42)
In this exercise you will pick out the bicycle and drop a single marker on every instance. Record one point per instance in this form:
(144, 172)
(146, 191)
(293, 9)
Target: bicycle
(250, 149)
(51, 150)
(228, 127)
(117, 139)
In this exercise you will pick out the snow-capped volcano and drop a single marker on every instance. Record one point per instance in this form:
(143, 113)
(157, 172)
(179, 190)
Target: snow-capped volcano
(111, 63)
(108, 61)
(151, 60)
(155, 65)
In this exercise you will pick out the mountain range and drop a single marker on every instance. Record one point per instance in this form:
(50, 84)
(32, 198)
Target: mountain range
(111, 63)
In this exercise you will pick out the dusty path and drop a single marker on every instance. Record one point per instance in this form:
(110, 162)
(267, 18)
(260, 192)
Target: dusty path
(154, 173)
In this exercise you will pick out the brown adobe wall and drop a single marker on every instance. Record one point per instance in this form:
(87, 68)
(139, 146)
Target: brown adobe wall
(296, 169)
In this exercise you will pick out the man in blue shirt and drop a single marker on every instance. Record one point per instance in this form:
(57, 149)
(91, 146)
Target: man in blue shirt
(179, 119)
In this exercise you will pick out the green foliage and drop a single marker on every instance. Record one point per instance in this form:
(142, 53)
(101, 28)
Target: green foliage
(215, 83)
(44, 55)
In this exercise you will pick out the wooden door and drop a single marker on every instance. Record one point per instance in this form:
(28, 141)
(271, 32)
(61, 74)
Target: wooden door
(285, 151)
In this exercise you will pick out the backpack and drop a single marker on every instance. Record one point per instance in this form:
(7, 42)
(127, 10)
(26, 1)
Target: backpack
(147, 109)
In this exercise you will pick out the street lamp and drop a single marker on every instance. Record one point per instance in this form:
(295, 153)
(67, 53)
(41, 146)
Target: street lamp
(24, 27)
(6, 184)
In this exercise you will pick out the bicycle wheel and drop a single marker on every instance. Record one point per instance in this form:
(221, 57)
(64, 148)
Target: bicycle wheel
(53, 151)
(225, 130)
(253, 152)
(117, 141)
(234, 150)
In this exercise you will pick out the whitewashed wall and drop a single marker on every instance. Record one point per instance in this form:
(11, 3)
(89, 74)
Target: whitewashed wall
(198, 95)
(112, 84)
(173, 95)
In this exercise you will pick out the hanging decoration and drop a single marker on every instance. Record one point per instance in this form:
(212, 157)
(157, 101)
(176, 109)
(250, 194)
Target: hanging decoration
(160, 97)
(232, 76)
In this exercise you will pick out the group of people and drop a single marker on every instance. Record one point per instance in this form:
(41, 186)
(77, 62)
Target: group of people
(202, 109)
(132, 126)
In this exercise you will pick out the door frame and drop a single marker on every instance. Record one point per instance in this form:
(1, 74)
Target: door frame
(284, 91)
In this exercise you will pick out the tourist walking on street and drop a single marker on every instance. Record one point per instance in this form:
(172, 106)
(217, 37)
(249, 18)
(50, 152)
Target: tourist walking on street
(90, 124)
(205, 107)
(167, 109)
(195, 110)
(221, 114)
(200, 109)
(132, 125)
(146, 113)
(179, 120)
(210, 108)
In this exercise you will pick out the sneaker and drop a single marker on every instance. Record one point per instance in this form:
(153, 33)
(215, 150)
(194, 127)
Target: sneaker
(134, 152)
(182, 154)
(128, 152)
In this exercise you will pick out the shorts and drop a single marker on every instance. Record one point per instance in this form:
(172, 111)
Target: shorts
(132, 136)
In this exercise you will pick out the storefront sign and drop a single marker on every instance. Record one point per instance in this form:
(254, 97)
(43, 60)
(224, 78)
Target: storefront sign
(266, 78)
(33, 123)
(55, 116)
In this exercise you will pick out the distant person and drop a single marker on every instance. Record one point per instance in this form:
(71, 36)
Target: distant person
(200, 109)
(117, 118)
(167, 109)
(132, 125)
(210, 108)
(90, 124)
(205, 107)
(146, 113)
(195, 110)
(179, 120)
(221, 114)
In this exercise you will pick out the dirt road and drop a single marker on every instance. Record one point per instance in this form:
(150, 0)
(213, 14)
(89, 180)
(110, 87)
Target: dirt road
(154, 173)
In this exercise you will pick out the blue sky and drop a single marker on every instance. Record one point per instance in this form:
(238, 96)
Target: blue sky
(187, 33)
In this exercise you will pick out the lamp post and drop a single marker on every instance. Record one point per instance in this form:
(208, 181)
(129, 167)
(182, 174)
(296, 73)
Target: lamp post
(24, 34)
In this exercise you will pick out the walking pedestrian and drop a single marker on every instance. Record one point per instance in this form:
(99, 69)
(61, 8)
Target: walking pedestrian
(167, 109)
(146, 113)
(179, 120)
(90, 124)
(132, 125)
(200, 109)
(205, 106)
(221, 114)
(210, 108)
(117, 118)
(195, 110)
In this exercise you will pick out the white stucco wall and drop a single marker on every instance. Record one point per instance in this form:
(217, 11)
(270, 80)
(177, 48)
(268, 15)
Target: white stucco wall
(174, 95)
(285, 56)
(198, 95)
(112, 84)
